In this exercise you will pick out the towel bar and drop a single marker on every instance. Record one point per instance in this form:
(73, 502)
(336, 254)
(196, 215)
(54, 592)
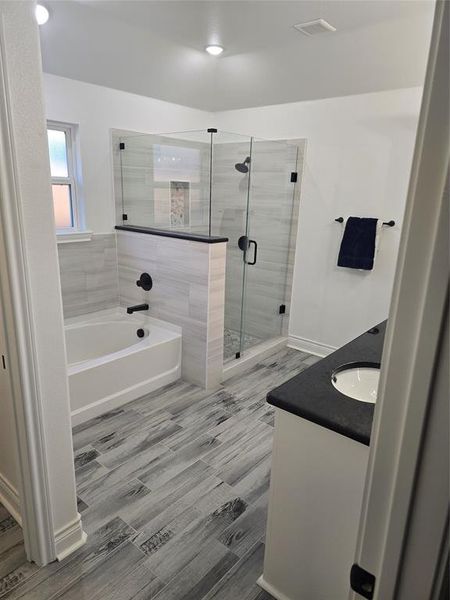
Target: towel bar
(387, 223)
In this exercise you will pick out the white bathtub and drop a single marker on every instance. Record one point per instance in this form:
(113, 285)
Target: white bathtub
(108, 364)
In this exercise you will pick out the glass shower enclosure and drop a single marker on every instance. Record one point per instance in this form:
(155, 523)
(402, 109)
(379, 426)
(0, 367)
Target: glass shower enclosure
(221, 184)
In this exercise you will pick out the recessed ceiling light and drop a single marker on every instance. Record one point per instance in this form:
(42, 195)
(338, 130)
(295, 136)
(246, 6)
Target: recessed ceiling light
(214, 50)
(42, 14)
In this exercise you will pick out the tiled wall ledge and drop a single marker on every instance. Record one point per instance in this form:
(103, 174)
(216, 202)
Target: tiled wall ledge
(74, 236)
(181, 235)
(188, 290)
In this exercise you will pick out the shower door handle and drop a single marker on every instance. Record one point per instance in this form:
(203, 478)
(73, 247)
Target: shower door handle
(253, 262)
(244, 244)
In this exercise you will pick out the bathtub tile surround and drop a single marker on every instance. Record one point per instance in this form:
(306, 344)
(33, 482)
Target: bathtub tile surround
(173, 492)
(188, 291)
(88, 272)
(215, 314)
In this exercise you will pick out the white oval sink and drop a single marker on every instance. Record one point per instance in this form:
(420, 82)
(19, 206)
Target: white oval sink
(359, 382)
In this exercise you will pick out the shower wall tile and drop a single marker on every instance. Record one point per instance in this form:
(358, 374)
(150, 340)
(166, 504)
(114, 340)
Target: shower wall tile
(188, 285)
(88, 272)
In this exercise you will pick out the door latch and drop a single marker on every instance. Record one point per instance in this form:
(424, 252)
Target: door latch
(362, 582)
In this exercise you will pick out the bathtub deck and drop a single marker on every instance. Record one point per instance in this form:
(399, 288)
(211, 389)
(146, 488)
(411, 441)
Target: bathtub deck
(173, 494)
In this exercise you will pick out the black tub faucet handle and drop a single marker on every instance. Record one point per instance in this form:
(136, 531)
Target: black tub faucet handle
(145, 282)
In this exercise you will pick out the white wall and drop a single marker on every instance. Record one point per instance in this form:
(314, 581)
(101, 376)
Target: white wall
(358, 159)
(97, 110)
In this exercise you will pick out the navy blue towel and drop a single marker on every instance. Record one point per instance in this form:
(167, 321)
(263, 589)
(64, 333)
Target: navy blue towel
(358, 244)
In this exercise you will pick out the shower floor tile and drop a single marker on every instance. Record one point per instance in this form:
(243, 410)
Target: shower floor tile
(231, 342)
(173, 493)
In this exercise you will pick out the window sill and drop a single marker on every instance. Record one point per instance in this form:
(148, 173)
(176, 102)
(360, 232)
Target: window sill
(63, 237)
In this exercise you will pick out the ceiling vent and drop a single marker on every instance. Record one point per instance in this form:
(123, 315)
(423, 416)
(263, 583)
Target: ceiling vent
(315, 27)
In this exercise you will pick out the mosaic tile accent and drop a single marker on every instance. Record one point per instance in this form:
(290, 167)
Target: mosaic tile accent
(232, 340)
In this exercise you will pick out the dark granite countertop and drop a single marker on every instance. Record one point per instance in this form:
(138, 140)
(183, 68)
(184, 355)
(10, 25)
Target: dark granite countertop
(311, 395)
(181, 235)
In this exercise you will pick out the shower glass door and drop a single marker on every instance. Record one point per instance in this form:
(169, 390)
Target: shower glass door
(267, 258)
(229, 215)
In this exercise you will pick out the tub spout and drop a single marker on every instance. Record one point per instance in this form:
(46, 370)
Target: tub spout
(132, 309)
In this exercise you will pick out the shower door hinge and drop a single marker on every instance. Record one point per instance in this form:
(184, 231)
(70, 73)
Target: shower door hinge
(294, 177)
(122, 146)
(124, 217)
(282, 309)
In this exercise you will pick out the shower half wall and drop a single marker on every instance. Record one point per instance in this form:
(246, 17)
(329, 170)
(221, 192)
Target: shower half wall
(222, 184)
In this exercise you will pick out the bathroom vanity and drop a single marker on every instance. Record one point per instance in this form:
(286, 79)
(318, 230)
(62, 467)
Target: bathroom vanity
(320, 455)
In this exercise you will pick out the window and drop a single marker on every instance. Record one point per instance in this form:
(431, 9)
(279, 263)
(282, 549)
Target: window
(63, 172)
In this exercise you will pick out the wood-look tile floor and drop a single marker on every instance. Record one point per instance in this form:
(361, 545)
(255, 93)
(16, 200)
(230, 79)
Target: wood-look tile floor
(173, 495)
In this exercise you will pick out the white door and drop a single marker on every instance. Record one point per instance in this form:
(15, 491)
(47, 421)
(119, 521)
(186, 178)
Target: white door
(406, 432)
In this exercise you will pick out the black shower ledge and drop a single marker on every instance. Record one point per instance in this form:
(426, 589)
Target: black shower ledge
(181, 235)
(312, 396)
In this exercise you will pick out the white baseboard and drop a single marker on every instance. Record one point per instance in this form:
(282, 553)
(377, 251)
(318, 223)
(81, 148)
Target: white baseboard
(69, 538)
(310, 346)
(9, 497)
(271, 590)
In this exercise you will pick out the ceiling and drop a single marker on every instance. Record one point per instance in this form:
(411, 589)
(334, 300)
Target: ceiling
(156, 48)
